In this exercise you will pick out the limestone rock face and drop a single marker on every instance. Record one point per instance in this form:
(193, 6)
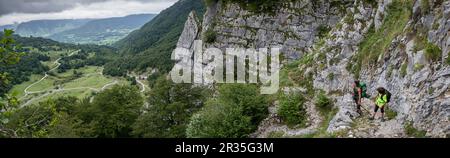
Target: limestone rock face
(419, 87)
(293, 28)
(190, 32)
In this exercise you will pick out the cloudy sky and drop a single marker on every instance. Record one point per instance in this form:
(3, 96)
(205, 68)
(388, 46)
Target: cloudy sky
(16, 11)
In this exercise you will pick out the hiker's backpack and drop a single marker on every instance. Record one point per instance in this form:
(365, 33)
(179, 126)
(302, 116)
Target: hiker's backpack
(363, 87)
(388, 96)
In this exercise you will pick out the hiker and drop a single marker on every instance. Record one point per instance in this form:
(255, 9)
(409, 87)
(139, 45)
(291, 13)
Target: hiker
(381, 101)
(359, 92)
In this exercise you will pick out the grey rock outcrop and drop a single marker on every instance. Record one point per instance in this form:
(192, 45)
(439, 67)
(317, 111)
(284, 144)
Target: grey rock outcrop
(190, 32)
(420, 92)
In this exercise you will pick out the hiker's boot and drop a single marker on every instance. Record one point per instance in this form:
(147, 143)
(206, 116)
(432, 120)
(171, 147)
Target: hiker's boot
(382, 119)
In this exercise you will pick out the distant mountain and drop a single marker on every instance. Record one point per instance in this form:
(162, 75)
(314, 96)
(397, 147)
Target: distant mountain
(82, 31)
(11, 27)
(151, 46)
(46, 28)
(103, 31)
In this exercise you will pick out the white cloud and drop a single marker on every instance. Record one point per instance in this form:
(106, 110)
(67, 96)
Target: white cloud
(95, 10)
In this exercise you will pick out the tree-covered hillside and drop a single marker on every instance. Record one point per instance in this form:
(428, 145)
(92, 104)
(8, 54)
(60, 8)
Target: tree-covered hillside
(103, 31)
(45, 28)
(151, 46)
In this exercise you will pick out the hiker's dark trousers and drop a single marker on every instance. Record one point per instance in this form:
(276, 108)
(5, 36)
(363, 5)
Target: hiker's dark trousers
(376, 109)
(358, 106)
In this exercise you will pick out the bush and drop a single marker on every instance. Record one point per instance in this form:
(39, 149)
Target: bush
(413, 132)
(323, 30)
(424, 6)
(330, 76)
(234, 113)
(349, 20)
(248, 98)
(420, 43)
(323, 103)
(210, 36)
(276, 134)
(403, 69)
(390, 114)
(418, 67)
(432, 52)
(219, 120)
(292, 110)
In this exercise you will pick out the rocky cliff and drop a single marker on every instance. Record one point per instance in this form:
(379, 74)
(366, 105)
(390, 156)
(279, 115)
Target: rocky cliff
(402, 45)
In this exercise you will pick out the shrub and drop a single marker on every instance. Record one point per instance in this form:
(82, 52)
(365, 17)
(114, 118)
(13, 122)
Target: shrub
(403, 69)
(330, 76)
(234, 113)
(418, 67)
(276, 134)
(413, 132)
(436, 25)
(390, 114)
(349, 20)
(210, 36)
(323, 30)
(420, 43)
(248, 98)
(219, 120)
(432, 52)
(323, 103)
(292, 110)
(424, 6)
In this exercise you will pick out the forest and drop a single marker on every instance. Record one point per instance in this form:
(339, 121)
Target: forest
(176, 111)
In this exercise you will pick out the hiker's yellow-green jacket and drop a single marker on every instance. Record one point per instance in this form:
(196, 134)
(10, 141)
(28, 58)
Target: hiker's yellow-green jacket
(381, 100)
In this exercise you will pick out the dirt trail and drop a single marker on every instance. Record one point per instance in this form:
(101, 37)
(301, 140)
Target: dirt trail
(362, 127)
(142, 85)
(365, 128)
(43, 78)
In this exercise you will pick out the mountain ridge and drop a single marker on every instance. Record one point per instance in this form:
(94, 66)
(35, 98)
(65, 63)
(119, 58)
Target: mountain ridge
(102, 31)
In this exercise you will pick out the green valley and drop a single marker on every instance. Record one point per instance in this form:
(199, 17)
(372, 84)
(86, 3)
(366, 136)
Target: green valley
(67, 70)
